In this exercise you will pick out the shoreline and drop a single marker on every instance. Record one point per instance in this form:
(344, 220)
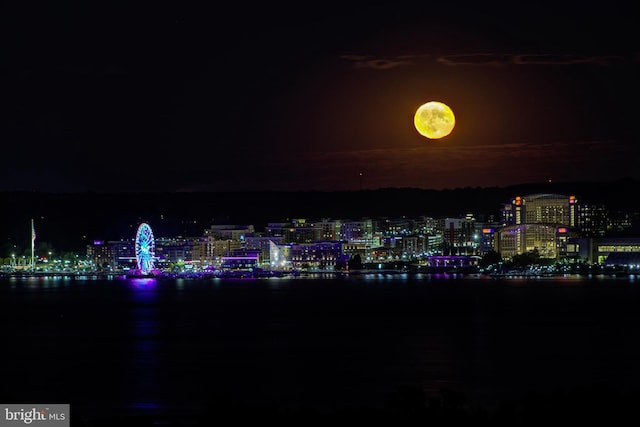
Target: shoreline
(438, 273)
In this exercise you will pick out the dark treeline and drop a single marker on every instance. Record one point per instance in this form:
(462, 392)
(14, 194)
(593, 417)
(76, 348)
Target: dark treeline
(69, 221)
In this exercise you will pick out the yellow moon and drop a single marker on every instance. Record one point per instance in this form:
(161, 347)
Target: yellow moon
(434, 120)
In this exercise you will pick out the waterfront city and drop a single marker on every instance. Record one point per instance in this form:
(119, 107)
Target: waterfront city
(530, 234)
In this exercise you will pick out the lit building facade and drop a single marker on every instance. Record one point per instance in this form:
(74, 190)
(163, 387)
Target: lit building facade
(602, 250)
(329, 229)
(531, 223)
(457, 236)
(229, 232)
(263, 245)
(243, 260)
(621, 222)
(219, 241)
(174, 250)
(124, 253)
(551, 209)
(524, 238)
(356, 229)
(592, 220)
(279, 257)
(113, 254)
(275, 229)
(487, 240)
(316, 255)
(209, 251)
(102, 254)
(300, 231)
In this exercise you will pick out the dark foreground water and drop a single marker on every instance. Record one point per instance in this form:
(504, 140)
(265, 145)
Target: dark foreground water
(136, 346)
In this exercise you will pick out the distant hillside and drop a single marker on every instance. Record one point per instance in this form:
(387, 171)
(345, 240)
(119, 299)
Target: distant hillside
(73, 219)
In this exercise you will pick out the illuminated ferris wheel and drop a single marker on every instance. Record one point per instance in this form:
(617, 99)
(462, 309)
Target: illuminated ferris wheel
(145, 248)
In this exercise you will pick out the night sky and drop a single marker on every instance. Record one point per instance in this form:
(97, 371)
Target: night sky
(169, 97)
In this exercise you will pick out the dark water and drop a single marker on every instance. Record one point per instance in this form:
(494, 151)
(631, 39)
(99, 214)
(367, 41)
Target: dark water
(145, 345)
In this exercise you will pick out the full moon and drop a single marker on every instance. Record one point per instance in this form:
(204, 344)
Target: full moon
(434, 120)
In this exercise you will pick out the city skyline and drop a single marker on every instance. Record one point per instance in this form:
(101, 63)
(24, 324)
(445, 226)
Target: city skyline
(535, 227)
(116, 216)
(226, 99)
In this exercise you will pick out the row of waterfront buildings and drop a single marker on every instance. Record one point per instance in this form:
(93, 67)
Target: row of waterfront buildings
(555, 226)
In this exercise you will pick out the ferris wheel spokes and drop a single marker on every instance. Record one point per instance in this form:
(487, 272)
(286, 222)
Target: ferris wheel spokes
(145, 249)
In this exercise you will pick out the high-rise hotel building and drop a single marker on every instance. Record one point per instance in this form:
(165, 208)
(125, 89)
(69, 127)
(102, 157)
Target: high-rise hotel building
(549, 209)
(531, 223)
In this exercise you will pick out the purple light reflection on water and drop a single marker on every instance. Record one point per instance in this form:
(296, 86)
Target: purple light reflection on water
(143, 283)
(146, 359)
(147, 405)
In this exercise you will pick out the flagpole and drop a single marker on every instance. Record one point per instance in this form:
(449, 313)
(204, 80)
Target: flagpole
(33, 241)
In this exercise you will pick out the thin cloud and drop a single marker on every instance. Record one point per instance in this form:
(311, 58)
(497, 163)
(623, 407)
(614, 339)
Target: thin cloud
(491, 59)
(360, 61)
(485, 60)
(553, 59)
(476, 59)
